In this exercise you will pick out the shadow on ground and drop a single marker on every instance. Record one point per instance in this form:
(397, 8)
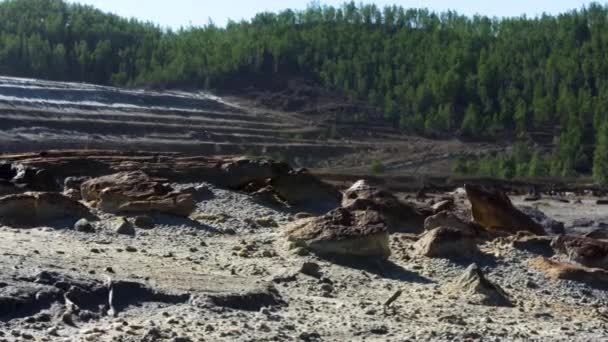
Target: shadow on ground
(382, 268)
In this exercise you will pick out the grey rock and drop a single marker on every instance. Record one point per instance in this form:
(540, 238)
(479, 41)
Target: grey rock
(84, 226)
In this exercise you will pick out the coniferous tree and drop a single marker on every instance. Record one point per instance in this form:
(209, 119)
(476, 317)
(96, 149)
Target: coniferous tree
(600, 164)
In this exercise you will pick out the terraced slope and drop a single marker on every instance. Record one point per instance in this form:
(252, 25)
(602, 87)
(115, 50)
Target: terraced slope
(41, 115)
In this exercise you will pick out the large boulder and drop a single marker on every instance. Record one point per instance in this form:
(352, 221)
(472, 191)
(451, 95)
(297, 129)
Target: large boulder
(447, 219)
(400, 216)
(477, 289)
(33, 209)
(585, 251)
(342, 232)
(136, 192)
(495, 212)
(447, 242)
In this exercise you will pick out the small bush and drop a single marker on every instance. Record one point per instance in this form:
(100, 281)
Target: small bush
(377, 167)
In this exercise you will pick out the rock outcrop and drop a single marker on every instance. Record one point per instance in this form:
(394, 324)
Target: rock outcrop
(495, 212)
(17, 178)
(400, 216)
(34, 179)
(477, 289)
(447, 219)
(556, 270)
(446, 242)
(136, 192)
(33, 209)
(443, 205)
(342, 232)
(585, 251)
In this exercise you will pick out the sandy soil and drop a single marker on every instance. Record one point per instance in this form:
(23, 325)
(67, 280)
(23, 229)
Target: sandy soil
(226, 254)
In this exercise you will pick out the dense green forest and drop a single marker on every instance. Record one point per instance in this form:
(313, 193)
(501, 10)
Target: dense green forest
(433, 74)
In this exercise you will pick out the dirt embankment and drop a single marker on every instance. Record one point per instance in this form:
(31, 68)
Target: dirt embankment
(295, 121)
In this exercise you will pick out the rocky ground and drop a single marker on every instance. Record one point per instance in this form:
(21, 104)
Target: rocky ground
(226, 273)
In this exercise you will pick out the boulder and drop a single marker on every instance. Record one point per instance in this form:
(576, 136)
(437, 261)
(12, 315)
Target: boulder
(477, 289)
(585, 251)
(400, 216)
(342, 232)
(556, 270)
(136, 192)
(84, 226)
(446, 242)
(200, 192)
(447, 219)
(34, 179)
(443, 206)
(73, 194)
(33, 209)
(17, 178)
(495, 212)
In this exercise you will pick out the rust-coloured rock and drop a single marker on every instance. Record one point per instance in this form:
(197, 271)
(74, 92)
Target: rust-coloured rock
(585, 251)
(447, 242)
(495, 212)
(343, 232)
(136, 192)
(556, 270)
(400, 216)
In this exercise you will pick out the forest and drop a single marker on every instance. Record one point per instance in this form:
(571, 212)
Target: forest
(440, 75)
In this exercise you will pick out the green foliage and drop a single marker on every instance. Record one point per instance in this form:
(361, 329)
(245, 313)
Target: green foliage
(377, 167)
(519, 163)
(438, 74)
(471, 124)
(537, 166)
(600, 165)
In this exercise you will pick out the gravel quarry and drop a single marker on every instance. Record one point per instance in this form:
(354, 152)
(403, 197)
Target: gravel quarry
(42, 115)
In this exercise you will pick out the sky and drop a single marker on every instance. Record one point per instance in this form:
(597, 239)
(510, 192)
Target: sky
(182, 13)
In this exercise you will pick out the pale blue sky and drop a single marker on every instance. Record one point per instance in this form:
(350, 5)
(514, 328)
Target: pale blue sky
(176, 13)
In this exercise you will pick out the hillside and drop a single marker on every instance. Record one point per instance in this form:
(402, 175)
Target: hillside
(539, 81)
(43, 115)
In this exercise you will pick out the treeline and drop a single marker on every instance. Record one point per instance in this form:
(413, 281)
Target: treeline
(432, 74)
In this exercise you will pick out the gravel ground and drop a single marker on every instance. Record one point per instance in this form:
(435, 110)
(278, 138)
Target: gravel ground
(224, 251)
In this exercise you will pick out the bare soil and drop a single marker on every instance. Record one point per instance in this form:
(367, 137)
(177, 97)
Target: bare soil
(294, 121)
